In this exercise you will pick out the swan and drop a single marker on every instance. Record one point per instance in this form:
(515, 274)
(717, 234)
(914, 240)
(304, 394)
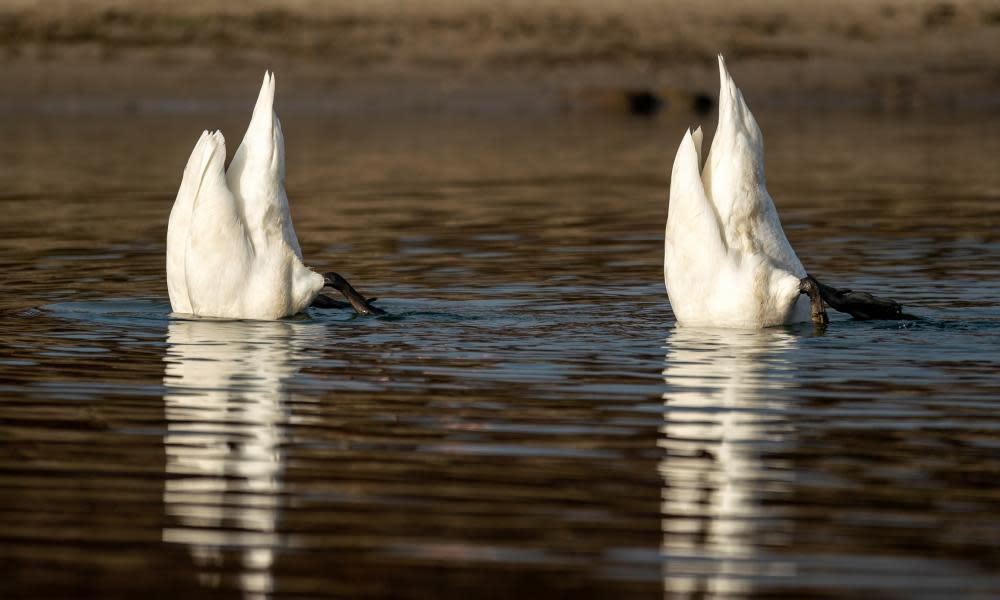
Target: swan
(727, 262)
(232, 251)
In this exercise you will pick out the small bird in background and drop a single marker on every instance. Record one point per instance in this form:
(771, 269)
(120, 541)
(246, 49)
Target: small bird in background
(637, 101)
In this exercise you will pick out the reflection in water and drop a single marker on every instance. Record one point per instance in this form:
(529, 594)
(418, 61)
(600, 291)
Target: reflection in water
(225, 409)
(508, 410)
(720, 411)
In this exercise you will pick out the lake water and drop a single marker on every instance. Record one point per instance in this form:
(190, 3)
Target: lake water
(529, 421)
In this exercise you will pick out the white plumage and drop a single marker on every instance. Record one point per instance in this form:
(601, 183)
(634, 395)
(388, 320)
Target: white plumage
(231, 248)
(727, 262)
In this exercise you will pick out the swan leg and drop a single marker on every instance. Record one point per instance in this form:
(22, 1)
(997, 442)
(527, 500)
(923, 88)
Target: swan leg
(324, 301)
(860, 305)
(362, 305)
(811, 288)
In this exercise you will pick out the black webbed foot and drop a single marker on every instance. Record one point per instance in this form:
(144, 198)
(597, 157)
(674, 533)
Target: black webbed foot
(860, 305)
(811, 288)
(362, 305)
(324, 301)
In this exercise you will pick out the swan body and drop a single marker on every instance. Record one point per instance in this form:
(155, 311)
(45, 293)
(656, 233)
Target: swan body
(727, 262)
(231, 248)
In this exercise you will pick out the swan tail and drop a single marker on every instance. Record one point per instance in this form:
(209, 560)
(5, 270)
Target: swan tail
(263, 145)
(264, 107)
(736, 158)
(735, 183)
(735, 118)
(264, 131)
(257, 173)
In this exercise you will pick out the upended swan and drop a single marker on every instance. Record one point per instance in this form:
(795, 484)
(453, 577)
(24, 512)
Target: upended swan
(231, 249)
(727, 262)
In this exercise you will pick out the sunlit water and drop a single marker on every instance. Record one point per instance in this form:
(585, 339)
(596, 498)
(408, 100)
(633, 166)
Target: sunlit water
(528, 421)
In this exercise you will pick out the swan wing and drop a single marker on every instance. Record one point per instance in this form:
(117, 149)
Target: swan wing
(734, 181)
(178, 228)
(694, 248)
(257, 175)
(219, 253)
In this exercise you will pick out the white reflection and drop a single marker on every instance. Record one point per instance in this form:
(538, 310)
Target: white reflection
(720, 410)
(226, 407)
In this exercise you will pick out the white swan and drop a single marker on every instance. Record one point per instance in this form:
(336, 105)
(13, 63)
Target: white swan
(727, 262)
(231, 248)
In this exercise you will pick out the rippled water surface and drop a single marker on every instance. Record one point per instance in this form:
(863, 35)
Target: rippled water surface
(529, 421)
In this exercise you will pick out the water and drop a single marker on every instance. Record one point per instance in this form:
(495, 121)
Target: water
(529, 421)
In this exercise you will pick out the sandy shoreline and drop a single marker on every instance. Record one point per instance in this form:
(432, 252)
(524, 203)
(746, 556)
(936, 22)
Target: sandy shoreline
(514, 55)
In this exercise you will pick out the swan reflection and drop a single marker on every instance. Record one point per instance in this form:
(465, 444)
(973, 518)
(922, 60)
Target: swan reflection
(722, 409)
(226, 406)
